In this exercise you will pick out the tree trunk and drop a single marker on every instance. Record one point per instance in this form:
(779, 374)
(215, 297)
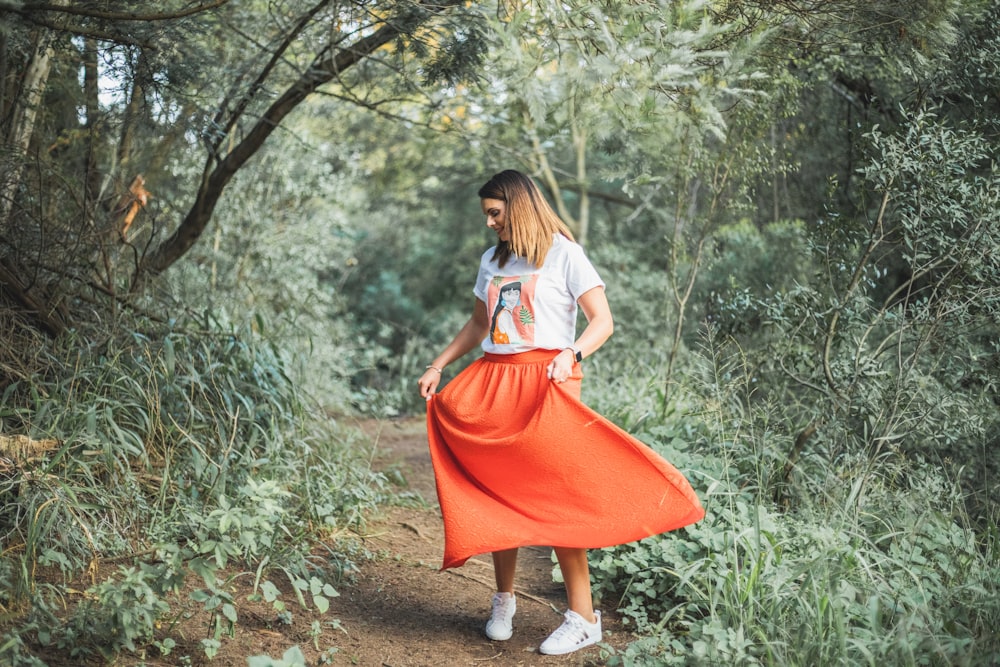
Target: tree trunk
(24, 105)
(92, 180)
(4, 65)
(583, 220)
(132, 115)
(18, 137)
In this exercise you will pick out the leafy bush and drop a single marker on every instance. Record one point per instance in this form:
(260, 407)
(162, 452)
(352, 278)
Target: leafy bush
(195, 452)
(119, 613)
(830, 426)
(878, 564)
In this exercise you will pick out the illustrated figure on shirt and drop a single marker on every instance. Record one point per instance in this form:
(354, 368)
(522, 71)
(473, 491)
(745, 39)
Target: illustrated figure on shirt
(503, 330)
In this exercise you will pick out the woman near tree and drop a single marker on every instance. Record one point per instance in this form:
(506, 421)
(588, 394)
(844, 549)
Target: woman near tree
(518, 459)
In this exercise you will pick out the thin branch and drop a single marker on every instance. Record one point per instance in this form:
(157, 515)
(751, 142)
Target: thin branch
(609, 197)
(542, 162)
(27, 8)
(44, 313)
(258, 83)
(94, 33)
(326, 67)
(873, 242)
(795, 378)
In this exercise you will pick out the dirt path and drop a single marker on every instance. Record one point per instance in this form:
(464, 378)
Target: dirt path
(397, 609)
(401, 611)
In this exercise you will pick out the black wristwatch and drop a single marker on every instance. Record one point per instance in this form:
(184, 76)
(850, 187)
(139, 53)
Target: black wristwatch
(576, 353)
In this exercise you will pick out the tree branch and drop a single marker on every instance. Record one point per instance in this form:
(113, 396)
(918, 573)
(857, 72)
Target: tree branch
(873, 241)
(55, 17)
(258, 83)
(324, 68)
(28, 8)
(89, 32)
(43, 313)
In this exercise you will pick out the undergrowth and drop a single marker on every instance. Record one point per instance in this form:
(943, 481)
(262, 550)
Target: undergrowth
(862, 556)
(155, 466)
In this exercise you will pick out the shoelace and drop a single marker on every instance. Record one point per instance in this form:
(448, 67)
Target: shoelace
(572, 628)
(500, 606)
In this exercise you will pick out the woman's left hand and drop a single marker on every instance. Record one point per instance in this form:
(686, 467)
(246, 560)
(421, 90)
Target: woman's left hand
(561, 367)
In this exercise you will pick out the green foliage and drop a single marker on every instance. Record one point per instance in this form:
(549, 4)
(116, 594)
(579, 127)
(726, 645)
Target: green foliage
(881, 566)
(830, 424)
(282, 271)
(120, 613)
(293, 657)
(879, 562)
(196, 453)
(905, 289)
(795, 206)
(164, 102)
(744, 264)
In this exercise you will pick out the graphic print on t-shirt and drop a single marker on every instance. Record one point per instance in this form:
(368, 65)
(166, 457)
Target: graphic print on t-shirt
(513, 319)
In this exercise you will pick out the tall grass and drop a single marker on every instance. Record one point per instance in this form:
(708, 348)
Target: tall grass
(179, 455)
(869, 557)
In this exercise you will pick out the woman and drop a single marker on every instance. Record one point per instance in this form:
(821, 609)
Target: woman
(518, 459)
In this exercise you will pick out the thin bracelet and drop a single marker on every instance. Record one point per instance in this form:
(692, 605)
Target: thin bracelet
(429, 367)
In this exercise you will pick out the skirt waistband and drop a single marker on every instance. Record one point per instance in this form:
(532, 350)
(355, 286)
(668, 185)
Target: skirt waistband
(529, 357)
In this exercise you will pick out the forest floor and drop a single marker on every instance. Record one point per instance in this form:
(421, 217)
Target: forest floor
(397, 609)
(401, 610)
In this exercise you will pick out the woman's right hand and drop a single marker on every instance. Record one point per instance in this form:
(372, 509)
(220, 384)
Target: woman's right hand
(429, 382)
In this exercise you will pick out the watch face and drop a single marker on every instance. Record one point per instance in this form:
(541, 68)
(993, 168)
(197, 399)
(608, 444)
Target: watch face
(579, 355)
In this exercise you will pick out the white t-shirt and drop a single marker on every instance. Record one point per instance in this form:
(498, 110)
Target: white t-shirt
(534, 307)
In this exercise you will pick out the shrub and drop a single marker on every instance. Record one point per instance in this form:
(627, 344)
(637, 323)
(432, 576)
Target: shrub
(878, 564)
(195, 452)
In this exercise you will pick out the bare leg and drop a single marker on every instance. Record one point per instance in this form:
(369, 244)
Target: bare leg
(576, 575)
(504, 566)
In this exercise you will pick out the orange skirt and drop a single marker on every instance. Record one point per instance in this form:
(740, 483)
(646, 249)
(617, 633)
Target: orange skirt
(519, 460)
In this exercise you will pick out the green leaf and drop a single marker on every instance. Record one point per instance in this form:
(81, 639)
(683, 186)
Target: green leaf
(294, 656)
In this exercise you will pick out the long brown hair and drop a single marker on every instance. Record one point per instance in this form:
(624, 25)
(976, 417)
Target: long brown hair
(531, 220)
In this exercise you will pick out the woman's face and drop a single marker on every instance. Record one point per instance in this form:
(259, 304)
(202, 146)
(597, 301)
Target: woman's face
(496, 217)
(511, 295)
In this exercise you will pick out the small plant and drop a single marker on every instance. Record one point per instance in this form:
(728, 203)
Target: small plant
(316, 631)
(319, 591)
(119, 613)
(211, 647)
(268, 592)
(14, 653)
(327, 656)
(224, 616)
(293, 657)
(165, 646)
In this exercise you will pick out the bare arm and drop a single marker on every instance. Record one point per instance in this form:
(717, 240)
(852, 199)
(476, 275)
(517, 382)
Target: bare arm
(471, 335)
(600, 326)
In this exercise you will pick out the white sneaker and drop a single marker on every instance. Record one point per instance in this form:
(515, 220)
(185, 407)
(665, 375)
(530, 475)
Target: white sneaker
(575, 633)
(499, 627)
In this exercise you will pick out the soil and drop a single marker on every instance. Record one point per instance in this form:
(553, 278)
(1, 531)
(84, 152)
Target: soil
(395, 608)
(401, 610)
